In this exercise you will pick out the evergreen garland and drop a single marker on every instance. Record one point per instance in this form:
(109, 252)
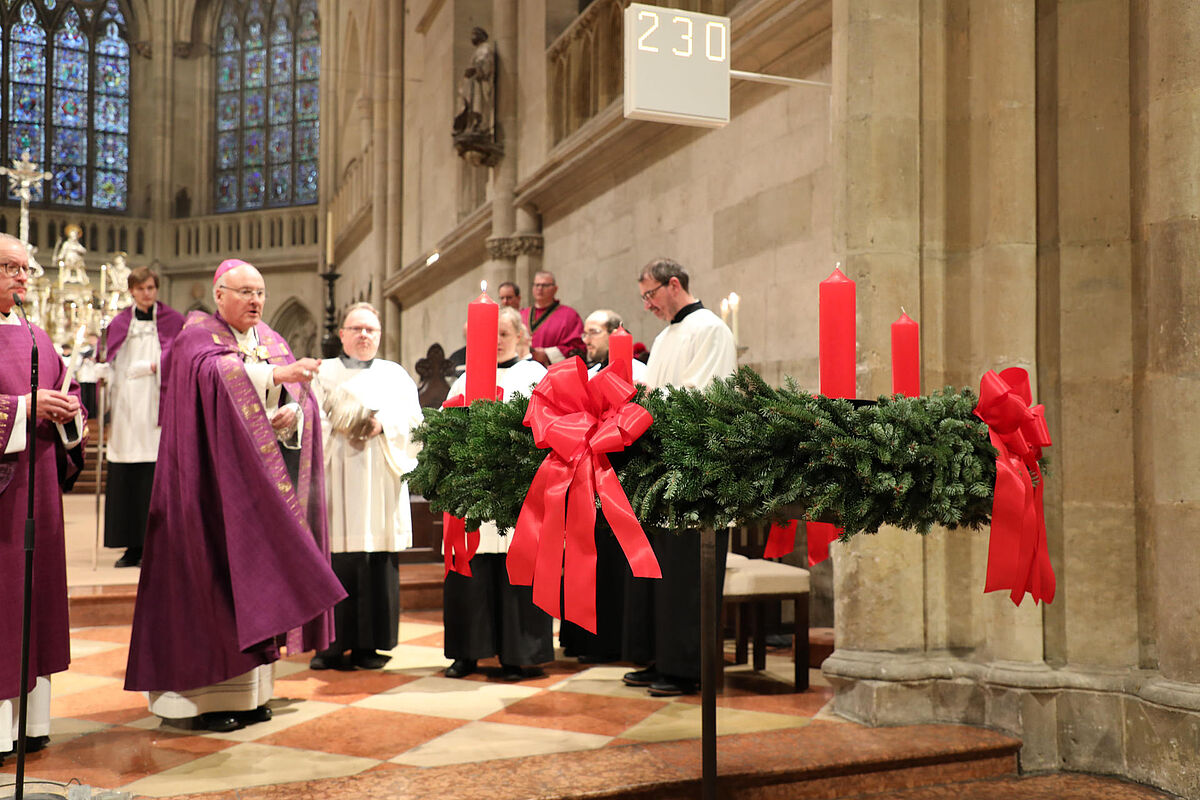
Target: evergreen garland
(738, 451)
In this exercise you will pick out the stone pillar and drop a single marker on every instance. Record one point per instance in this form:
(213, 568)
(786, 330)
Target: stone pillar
(501, 266)
(878, 580)
(529, 262)
(1085, 331)
(1167, 297)
(379, 139)
(393, 165)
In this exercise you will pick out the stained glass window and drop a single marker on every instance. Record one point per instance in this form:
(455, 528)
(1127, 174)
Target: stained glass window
(267, 103)
(66, 70)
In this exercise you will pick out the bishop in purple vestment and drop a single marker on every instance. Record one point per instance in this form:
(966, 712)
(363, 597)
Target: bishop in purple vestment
(557, 329)
(49, 643)
(236, 560)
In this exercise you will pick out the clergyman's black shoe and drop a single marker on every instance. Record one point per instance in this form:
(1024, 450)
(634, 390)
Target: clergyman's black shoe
(369, 659)
(220, 722)
(128, 561)
(461, 668)
(260, 714)
(337, 661)
(642, 677)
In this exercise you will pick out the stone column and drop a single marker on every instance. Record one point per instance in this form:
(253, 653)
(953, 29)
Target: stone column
(394, 166)
(1167, 297)
(379, 139)
(878, 580)
(501, 266)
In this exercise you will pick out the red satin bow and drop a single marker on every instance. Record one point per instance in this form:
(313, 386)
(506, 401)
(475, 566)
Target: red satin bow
(1018, 559)
(581, 421)
(459, 544)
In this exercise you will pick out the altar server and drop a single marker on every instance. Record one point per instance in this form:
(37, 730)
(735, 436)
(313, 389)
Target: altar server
(485, 615)
(369, 407)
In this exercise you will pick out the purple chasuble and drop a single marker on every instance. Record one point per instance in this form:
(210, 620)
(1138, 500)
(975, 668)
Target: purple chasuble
(167, 320)
(236, 560)
(562, 329)
(49, 649)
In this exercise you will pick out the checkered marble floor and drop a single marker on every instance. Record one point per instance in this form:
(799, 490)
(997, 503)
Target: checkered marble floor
(407, 716)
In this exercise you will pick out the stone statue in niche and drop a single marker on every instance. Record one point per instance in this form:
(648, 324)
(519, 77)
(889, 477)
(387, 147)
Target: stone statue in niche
(474, 128)
(69, 257)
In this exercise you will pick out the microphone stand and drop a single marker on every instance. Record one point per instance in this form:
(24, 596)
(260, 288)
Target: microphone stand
(26, 621)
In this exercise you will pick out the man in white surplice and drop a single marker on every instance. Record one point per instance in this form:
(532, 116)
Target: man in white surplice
(368, 408)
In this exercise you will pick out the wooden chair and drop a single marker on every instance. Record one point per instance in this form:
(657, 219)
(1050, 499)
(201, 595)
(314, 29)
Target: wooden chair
(751, 584)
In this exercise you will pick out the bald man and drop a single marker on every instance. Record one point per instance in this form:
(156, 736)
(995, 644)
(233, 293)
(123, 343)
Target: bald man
(556, 328)
(236, 560)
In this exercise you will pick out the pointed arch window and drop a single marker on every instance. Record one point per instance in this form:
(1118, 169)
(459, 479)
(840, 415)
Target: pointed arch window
(65, 75)
(268, 69)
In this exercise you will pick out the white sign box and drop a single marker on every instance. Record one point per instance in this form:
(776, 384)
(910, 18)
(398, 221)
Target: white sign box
(676, 66)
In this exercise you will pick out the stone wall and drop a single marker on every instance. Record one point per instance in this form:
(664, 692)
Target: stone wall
(1053, 226)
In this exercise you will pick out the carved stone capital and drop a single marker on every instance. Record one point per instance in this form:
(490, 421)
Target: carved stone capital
(520, 244)
(143, 48)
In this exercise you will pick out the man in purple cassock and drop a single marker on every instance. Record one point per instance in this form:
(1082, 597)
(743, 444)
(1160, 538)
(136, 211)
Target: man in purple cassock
(236, 560)
(138, 340)
(557, 329)
(55, 459)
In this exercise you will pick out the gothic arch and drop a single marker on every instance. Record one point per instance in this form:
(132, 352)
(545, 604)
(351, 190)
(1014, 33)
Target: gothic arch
(296, 324)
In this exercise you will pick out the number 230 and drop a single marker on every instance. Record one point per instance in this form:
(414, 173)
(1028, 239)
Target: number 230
(714, 36)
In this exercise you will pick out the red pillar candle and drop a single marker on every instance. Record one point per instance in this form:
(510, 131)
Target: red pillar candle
(906, 356)
(620, 352)
(837, 336)
(483, 318)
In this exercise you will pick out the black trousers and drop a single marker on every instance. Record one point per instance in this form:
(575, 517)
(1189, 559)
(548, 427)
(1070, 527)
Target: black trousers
(668, 634)
(369, 617)
(127, 503)
(611, 568)
(485, 615)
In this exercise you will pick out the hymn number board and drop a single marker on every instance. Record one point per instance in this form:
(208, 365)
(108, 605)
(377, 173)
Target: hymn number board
(676, 66)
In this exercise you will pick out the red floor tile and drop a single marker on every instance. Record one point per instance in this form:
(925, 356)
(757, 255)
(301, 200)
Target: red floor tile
(116, 756)
(109, 664)
(575, 711)
(118, 634)
(110, 704)
(363, 732)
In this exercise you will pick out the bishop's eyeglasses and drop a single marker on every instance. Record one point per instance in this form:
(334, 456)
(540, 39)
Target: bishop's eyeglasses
(13, 270)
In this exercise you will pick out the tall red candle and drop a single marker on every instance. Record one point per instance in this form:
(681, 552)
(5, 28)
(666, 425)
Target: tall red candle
(906, 357)
(837, 331)
(483, 319)
(620, 352)
(837, 351)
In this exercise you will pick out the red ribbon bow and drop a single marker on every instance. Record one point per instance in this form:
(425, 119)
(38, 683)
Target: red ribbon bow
(1018, 559)
(459, 544)
(581, 421)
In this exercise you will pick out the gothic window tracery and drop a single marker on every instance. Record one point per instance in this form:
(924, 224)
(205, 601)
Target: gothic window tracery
(66, 78)
(268, 55)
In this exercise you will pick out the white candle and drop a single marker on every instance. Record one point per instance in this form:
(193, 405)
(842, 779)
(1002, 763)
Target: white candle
(328, 238)
(725, 310)
(734, 300)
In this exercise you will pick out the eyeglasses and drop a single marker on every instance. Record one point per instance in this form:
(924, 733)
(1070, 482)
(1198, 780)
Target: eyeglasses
(13, 270)
(649, 294)
(543, 285)
(589, 334)
(365, 331)
(246, 294)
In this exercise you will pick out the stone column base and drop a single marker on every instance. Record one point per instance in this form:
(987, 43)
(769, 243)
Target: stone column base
(1132, 723)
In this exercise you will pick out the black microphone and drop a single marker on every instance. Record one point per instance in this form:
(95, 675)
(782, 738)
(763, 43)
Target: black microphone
(27, 618)
(30, 429)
